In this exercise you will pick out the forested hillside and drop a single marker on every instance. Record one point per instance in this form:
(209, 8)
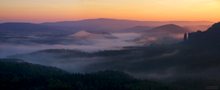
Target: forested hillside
(25, 76)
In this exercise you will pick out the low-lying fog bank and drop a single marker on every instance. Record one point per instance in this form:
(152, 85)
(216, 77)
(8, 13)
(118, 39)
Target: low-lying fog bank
(92, 45)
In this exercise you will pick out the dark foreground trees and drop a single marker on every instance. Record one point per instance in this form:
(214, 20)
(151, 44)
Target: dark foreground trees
(25, 76)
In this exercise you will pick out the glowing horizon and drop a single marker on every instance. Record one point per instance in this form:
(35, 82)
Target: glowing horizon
(144, 10)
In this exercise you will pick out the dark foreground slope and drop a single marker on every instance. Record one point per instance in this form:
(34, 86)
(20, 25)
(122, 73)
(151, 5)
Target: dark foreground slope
(25, 76)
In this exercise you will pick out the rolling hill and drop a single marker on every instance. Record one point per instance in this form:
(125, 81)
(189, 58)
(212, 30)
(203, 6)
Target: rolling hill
(26, 76)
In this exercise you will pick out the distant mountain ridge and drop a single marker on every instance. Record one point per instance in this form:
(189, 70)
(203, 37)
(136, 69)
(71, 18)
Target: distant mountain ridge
(27, 28)
(101, 24)
(118, 24)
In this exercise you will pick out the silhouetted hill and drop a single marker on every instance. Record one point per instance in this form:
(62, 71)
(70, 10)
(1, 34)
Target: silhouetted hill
(171, 28)
(26, 76)
(205, 38)
(214, 28)
(165, 34)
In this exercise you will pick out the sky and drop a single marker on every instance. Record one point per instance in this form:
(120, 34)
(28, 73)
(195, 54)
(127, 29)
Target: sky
(145, 10)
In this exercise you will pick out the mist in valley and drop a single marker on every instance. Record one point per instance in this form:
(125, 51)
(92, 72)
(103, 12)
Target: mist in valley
(87, 45)
(109, 45)
(165, 53)
(82, 50)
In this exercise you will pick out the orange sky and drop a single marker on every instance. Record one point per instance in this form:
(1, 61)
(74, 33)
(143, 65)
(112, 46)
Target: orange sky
(159, 10)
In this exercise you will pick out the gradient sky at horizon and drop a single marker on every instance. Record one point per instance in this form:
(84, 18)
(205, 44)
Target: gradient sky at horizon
(150, 10)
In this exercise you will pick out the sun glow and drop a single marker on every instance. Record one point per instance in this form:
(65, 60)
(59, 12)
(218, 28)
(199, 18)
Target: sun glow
(57, 10)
